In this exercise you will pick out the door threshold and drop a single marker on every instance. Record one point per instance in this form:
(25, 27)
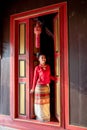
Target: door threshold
(50, 123)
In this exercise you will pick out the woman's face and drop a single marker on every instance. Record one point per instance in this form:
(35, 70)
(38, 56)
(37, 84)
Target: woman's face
(42, 59)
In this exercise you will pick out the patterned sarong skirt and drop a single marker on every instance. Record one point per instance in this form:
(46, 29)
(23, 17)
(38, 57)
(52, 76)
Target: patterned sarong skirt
(42, 103)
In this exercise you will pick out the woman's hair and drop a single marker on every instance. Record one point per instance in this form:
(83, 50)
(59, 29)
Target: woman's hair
(40, 54)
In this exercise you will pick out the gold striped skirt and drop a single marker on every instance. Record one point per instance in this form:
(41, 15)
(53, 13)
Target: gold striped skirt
(42, 103)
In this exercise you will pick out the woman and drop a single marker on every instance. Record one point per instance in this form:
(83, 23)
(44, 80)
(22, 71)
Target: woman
(41, 81)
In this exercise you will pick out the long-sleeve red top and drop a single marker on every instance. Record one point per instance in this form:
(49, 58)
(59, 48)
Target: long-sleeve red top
(42, 75)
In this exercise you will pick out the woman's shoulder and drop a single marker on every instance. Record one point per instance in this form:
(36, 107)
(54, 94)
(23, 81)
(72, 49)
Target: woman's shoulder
(36, 67)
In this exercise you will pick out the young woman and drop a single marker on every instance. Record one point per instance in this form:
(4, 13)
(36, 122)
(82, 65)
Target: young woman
(41, 81)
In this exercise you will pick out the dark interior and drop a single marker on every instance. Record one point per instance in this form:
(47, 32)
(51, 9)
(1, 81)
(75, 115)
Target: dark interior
(47, 48)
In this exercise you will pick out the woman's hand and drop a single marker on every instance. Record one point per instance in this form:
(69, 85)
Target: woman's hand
(31, 91)
(57, 79)
(54, 78)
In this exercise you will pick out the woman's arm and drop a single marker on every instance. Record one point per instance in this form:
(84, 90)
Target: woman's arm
(34, 79)
(52, 77)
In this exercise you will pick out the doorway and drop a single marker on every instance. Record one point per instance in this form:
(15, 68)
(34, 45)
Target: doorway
(50, 46)
(23, 60)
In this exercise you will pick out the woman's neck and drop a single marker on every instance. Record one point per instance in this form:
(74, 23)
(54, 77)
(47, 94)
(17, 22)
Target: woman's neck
(42, 65)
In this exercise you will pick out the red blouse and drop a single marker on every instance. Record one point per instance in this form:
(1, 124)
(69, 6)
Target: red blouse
(42, 75)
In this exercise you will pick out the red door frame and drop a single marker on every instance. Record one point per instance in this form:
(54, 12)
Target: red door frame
(58, 8)
(23, 124)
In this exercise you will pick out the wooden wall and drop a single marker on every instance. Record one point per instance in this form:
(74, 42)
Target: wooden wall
(78, 61)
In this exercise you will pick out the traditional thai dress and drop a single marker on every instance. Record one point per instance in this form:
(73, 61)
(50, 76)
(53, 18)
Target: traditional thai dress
(41, 80)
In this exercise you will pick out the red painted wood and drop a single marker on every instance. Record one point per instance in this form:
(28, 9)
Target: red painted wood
(27, 68)
(26, 79)
(66, 68)
(22, 124)
(22, 57)
(26, 58)
(31, 68)
(11, 67)
(61, 13)
(30, 125)
(16, 68)
(39, 12)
